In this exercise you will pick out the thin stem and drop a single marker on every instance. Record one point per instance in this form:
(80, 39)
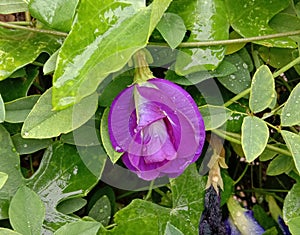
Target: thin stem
(27, 16)
(242, 175)
(237, 97)
(274, 111)
(23, 23)
(274, 127)
(234, 41)
(110, 226)
(36, 30)
(286, 67)
(224, 135)
(148, 196)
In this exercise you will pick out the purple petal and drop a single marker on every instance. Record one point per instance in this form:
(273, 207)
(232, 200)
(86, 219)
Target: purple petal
(119, 118)
(158, 126)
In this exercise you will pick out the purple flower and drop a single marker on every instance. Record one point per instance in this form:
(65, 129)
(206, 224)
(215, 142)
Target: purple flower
(158, 127)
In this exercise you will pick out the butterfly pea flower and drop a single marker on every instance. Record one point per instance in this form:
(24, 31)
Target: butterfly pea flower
(241, 220)
(158, 127)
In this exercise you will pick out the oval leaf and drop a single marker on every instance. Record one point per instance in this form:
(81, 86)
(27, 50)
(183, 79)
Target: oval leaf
(290, 114)
(172, 28)
(255, 135)
(27, 146)
(71, 205)
(279, 165)
(292, 141)
(101, 210)
(79, 227)
(44, 122)
(239, 80)
(262, 89)
(26, 212)
(214, 116)
(17, 110)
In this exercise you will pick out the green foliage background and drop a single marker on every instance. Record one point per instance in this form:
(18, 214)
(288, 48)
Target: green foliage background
(62, 66)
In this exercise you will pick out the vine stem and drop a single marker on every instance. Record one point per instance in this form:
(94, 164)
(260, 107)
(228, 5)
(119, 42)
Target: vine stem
(234, 41)
(183, 44)
(242, 175)
(14, 26)
(148, 196)
(225, 136)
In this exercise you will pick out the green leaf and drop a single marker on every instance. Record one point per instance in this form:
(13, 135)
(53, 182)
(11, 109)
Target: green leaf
(27, 146)
(262, 89)
(206, 20)
(279, 165)
(15, 88)
(54, 13)
(3, 179)
(290, 114)
(255, 135)
(26, 212)
(102, 46)
(251, 18)
(172, 28)
(66, 172)
(12, 6)
(17, 110)
(292, 141)
(5, 231)
(19, 48)
(44, 122)
(239, 80)
(113, 155)
(10, 165)
(188, 203)
(172, 230)
(71, 205)
(291, 209)
(214, 116)
(101, 211)
(225, 68)
(2, 110)
(79, 227)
